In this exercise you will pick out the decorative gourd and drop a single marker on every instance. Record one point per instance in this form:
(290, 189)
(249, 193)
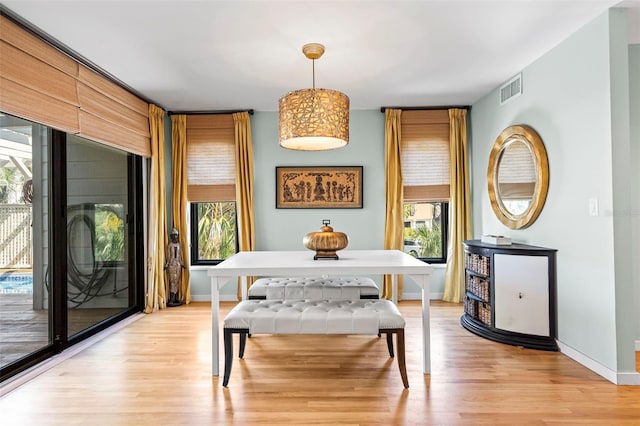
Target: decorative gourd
(326, 242)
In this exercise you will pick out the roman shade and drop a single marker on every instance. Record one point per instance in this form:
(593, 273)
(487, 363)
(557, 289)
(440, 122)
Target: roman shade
(211, 160)
(42, 84)
(425, 155)
(517, 173)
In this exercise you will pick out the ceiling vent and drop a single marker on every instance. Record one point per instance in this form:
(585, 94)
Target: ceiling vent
(511, 89)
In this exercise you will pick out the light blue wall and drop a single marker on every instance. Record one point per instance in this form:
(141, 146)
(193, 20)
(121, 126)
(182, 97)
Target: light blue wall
(634, 102)
(284, 229)
(570, 96)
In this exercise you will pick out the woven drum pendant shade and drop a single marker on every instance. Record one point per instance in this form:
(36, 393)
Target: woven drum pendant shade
(313, 119)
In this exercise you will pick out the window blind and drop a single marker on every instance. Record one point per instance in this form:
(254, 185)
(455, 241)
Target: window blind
(425, 155)
(517, 172)
(44, 85)
(211, 164)
(38, 82)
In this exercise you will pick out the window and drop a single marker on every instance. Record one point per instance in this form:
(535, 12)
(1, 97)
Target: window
(425, 230)
(425, 173)
(213, 232)
(211, 187)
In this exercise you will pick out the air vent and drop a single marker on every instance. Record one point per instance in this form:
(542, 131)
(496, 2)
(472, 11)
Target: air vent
(511, 89)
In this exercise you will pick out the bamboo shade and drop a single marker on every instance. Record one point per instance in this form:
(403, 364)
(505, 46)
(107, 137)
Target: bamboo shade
(107, 109)
(517, 172)
(211, 161)
(38, 82)
(425, 155)
(44, 85)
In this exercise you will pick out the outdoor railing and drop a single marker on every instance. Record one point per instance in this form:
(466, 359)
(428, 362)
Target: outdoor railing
(15, 236)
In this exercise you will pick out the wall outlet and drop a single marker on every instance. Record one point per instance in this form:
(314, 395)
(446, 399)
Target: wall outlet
(593, 207)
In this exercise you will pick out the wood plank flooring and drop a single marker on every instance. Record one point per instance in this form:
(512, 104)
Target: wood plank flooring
(24, 330)
(157, 371)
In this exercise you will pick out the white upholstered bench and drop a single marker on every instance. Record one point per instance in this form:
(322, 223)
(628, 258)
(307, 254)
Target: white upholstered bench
(314, 317)
(314, 288)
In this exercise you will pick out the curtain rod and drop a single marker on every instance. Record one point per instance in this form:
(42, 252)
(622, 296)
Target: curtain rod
(418, 108)
(216, 112)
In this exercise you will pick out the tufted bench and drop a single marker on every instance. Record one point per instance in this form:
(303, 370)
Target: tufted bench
(314, 317)
(314, 288)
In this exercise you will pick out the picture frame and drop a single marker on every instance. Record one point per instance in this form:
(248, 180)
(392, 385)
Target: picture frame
(319, 187)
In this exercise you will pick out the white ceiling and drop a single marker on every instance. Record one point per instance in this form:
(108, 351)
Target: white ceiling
(222, 55)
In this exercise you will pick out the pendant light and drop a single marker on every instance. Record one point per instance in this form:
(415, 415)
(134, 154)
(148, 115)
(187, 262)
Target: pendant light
(313, 119)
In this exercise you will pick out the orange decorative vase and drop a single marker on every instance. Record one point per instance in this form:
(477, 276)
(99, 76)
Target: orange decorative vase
(326, 242)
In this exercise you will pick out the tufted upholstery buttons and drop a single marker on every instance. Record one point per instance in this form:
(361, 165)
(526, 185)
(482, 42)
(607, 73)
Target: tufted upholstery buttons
(321, 288)
(314, 316)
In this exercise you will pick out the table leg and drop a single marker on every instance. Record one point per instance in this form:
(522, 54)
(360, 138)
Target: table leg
(215, 324)
(426, 329)
(423, 282)
(243, 283)
(394, 289)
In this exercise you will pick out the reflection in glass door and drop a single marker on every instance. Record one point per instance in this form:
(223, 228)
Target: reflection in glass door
(24, 297)
(97, 208)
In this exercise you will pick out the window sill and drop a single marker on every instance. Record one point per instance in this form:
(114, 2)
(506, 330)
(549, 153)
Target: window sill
(438, 265)
(200, 267)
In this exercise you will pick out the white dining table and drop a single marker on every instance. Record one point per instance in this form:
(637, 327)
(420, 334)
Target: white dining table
(302, 264)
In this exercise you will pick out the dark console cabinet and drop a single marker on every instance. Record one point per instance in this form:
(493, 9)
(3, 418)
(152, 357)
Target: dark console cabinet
(510, 294)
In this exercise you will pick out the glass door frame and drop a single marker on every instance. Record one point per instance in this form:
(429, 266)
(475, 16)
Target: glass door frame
(57, 300)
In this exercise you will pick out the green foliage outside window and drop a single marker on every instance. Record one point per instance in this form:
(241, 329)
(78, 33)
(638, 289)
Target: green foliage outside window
(10, 185)
(429, 240)
(216, 230)
(110, 236)
(425, 240)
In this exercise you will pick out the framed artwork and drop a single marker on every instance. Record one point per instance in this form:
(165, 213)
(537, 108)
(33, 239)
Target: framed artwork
(330, 187)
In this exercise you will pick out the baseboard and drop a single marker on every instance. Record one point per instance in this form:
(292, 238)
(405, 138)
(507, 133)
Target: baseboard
(207, 298)
(612, 376)
(592, 365)
(629, 379)
(418, 296)
(33, 372)
(637, 345)
(233, 298)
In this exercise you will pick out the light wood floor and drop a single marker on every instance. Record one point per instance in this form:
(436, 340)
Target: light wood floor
(24, 330)
(157, 371)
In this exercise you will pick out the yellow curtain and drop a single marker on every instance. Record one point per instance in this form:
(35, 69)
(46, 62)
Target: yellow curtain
(244, 186)
(179, 198)
(156, 292)
(393, 223)
(459, 207)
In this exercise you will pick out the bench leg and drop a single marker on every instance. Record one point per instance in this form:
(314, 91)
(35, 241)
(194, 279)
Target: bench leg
(228, 355)
(390, 343)
(401, 360)
(243, 342)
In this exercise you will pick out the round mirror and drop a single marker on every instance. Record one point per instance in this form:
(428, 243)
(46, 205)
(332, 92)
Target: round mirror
(518, 176)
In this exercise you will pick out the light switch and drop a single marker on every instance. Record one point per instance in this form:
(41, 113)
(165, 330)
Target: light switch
(593, 207)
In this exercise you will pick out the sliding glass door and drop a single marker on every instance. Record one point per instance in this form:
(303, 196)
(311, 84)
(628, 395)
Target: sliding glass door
(97, 230)
(24, 209)
(71, 227)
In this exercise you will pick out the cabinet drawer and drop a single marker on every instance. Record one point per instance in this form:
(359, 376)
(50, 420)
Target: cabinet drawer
(478, 286)
(478, 263)
(484, 313)
(471, 307)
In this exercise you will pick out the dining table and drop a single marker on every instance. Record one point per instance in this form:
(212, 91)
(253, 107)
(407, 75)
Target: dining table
(302, 264)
